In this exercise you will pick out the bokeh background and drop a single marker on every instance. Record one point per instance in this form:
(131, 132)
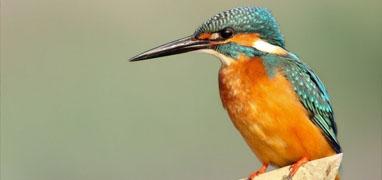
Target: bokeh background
(73, 107)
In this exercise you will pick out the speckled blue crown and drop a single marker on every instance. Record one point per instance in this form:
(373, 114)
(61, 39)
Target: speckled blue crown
(246, 20)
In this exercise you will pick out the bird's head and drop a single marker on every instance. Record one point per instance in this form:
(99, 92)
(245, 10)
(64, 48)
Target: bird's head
(233, 34)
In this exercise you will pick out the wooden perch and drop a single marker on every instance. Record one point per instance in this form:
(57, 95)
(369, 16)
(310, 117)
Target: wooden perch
(320, 169)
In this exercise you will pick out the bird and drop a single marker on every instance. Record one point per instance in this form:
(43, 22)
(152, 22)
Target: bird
(276, 101)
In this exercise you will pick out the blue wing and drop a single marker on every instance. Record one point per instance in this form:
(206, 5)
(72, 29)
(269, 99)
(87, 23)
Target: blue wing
(312, 94)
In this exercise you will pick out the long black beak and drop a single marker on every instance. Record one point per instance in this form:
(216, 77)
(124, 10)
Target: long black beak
(183, 45)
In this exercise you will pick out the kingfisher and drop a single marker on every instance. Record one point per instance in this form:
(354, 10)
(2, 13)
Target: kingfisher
(277, 103)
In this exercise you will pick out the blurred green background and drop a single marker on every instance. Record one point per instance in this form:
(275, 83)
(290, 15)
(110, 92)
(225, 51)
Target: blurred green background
(73, 107)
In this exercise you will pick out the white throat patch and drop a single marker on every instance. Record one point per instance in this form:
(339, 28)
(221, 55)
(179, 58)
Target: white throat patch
(225, 60)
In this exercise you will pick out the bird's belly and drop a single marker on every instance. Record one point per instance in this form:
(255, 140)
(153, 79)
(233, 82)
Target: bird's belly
(269, 116)
(270, 136)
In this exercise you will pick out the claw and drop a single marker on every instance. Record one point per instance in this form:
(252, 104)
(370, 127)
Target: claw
(296, 166)
(258, 172)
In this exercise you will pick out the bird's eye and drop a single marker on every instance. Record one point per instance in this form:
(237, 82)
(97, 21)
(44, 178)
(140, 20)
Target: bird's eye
(226, 33)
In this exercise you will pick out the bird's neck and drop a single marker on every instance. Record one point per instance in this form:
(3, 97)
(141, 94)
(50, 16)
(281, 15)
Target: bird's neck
(253, 65)
(235, 76)
(263, 64)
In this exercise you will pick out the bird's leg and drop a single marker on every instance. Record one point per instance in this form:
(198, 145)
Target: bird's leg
(259, 171)
(296, 166)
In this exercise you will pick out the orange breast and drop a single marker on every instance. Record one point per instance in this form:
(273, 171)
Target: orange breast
(268, 114)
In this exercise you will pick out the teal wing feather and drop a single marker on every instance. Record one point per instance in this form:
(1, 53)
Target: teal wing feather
(312, 94)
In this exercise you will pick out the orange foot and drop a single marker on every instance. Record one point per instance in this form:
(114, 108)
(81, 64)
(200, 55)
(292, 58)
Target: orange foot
(258, 172)
(296, 166)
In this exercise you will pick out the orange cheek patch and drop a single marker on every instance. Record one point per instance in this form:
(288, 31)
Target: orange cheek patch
(244, 39)
(204, 36)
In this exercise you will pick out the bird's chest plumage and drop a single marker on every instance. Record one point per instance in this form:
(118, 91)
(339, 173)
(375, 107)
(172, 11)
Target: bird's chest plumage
(266, 111)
